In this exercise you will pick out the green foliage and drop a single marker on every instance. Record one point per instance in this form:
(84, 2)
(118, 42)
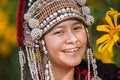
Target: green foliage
(9, 66)
(117, 56)
(10, 8)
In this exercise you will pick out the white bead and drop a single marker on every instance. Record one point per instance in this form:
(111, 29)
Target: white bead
(73, 14)
(94, 60)
(30, 0)
(55, 14)
(68, 9)
(95, 66)
(47, 66)
(48, 26)
(45, 52)
(43, 42)
(44, 49)
(29, 4)
(36, 41)
(58, 18)
(37, 46)
(41, 25)
(61, 16)
(51, 23)
(46, 72)
(47, 18)
(45, 29)
(71, 9)
(65, 14)
(48, 78)
(54, 21)
(63, 10)
(59, 11)
(44, 22)
(51, 16)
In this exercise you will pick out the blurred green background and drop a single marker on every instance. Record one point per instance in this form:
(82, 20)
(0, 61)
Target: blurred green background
(9, 62)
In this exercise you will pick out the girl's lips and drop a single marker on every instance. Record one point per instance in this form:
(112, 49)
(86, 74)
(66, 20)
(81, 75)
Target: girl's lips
(72, 51)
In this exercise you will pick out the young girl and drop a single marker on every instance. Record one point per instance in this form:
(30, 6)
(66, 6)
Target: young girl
(55, 39)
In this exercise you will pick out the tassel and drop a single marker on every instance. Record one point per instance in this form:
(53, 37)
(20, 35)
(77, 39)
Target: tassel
(32, 63)
(19, 22)
(22, 63)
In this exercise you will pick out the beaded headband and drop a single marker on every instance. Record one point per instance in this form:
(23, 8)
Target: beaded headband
(45, 14)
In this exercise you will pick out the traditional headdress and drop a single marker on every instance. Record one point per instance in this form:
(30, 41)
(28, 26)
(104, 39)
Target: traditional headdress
(41, 16)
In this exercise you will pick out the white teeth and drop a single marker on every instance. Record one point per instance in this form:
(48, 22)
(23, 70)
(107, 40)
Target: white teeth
(71, 50)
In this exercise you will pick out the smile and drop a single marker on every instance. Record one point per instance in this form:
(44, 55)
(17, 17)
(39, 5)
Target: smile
(71, 50)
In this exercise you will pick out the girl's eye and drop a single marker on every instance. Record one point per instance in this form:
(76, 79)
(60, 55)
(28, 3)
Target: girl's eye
(77, 28)
(58, 32)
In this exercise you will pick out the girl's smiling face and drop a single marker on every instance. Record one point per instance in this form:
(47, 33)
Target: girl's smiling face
(66, 43)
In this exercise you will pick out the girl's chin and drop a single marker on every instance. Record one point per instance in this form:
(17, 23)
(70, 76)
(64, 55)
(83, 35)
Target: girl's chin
(72, 60)
(73, 63)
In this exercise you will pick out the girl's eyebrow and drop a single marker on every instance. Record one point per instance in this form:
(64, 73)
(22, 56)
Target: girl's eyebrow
(78, 22)
(58, 27)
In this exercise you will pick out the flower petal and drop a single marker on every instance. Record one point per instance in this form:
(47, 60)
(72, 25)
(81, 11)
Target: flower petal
(102, 39)
(118, 28)
(110, 46)
(104, 46)
(115, 19)
(111, 11)
(115, 39)
(109, 21)
(105, 28)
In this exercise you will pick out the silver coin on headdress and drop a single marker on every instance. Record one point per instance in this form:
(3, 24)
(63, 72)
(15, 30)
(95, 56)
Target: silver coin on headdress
(36, 33)
(89, 19)
(85, 10)
(33, 23)
(81, 2)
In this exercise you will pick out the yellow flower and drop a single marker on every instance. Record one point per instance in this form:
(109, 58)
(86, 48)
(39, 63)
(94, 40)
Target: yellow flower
(3, 2)
(112, 30)
(7, 35)
(8, 41)
(112, 12)
(105, 57)
(3, 22)
(10, 34)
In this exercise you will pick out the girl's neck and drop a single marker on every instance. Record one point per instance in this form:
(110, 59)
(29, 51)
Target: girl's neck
(61, 73)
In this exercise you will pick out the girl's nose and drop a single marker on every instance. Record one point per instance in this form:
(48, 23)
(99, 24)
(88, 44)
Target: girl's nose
(71, 38)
